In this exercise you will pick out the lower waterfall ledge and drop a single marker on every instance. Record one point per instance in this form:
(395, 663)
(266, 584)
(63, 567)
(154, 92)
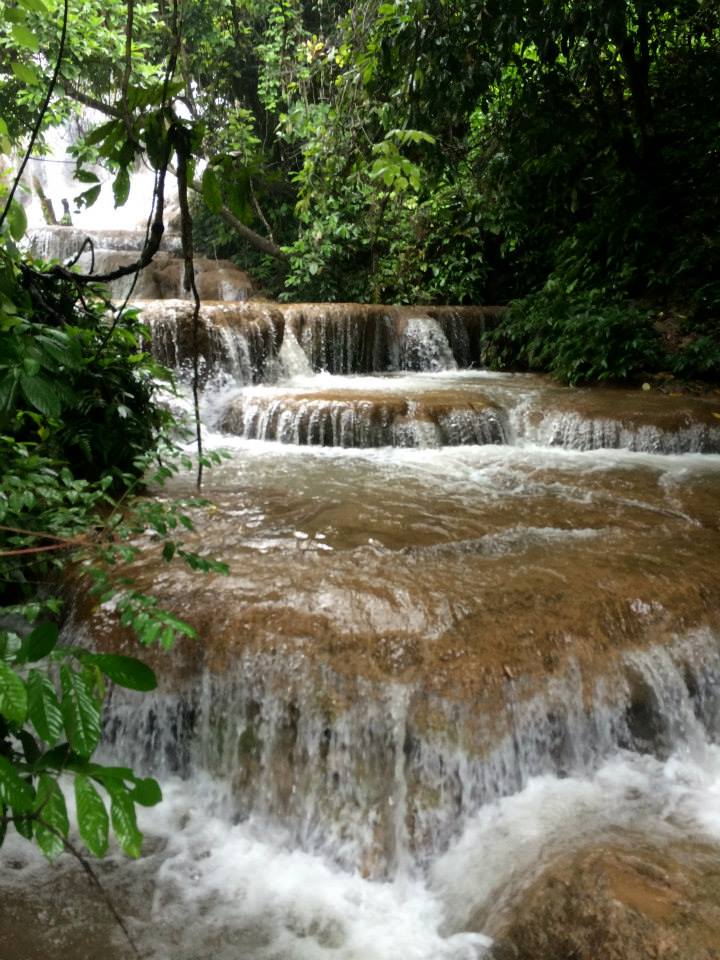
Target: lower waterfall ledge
(383, 777)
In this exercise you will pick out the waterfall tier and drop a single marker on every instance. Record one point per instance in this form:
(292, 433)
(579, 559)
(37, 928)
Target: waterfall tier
(162, 279)
(470, 628)
(257, 343)
(346, 419)
(409, 635)
(337, 338)
(378, 776)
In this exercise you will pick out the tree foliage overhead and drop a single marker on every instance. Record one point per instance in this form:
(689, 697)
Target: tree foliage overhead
(415, 151)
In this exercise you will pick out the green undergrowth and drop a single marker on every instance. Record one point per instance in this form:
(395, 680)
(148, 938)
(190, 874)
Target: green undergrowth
(82, 434)
(591, 337)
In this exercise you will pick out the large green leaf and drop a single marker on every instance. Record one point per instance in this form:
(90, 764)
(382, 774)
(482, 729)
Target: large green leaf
(126, 671)
(23, 825)
(52, 824)
(42, 395)
(80, 712)
(121, 187)
(25, 37)
(13, 696)
(43, 707)
(36, 6)
(17, 220)
(14, 791)
(92, 816)
(24, 72)
(211, 190)
(86, 176)
(40, 642)
(146, 792)
(124, 821)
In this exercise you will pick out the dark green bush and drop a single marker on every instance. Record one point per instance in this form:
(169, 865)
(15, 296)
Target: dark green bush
(581, 338)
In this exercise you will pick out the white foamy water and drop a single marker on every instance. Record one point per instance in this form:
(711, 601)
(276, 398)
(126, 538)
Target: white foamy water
(240, 892)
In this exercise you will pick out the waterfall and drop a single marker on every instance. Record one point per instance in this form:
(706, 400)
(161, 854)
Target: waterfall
(362, 422)
(424, 346)
(470, 624)
(353, 770)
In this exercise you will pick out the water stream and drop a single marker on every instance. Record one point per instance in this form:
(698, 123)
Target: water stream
(471, 625)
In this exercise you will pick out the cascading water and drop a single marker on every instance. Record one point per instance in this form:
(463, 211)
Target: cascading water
(470, 626)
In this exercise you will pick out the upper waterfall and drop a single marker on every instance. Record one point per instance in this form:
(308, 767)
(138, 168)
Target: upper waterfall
(162, 279)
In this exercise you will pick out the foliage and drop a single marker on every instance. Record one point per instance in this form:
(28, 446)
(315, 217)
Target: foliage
(579, 339)
(407, 151)
(81, 431)
(417, 151)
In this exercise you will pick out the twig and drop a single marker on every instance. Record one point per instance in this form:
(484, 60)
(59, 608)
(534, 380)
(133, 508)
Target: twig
(94, 879)
(183, 152)
(191, 285)
(37, 533)
(128, 57)
(87, 242)
(26, 550)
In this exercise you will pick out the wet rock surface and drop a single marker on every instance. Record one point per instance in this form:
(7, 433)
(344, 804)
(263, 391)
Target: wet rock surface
(533, 565)
(619, 902)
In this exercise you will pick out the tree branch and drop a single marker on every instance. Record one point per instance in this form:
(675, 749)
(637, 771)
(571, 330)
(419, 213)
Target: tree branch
(87, 100)
(253, 238)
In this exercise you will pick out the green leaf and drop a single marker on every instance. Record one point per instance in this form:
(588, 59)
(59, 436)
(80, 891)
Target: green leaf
(23, 826)
(43, 707)
(26, 38)
(124, 821)
(41, 394)
(30, 747)
(92, 817)
(126, 671)
(17, 220)
(121, 187)
(211, 190)
(88, 197)
(155, 139)
(100, 133)
(25, 73)
(14, 791)
(79, 711)
(146, 792)
(35, 6)
(13, 696)
(86, 176)
(52, 824)
(40, 642)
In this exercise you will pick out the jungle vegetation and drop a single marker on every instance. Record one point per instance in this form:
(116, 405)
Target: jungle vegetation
(558, 156)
